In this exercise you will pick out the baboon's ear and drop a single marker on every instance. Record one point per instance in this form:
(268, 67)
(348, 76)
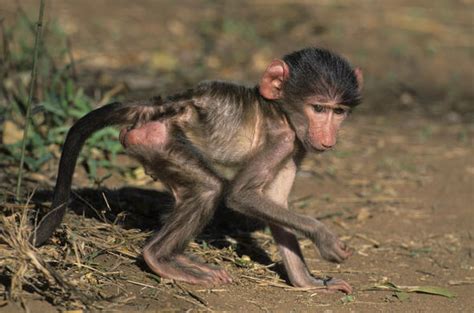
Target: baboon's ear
(272, 80)
(360, 77)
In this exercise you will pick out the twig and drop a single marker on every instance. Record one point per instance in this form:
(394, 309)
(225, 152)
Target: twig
(191, 301)
(39, 26)
(140, 284)
(460, 282)
(378, 199)
(112, 92)
(6, 48)
(192, 294)
(265, 282)
(104, 274)
(374, 242)
(101, 216)
(71, 59)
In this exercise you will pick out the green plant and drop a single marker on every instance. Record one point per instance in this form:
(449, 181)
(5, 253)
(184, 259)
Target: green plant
(57, 101)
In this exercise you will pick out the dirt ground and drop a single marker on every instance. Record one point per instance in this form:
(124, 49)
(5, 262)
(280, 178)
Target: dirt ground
(399, 188)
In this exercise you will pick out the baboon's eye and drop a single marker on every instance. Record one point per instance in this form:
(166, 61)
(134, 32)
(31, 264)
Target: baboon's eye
(339, 111)
(318, 108)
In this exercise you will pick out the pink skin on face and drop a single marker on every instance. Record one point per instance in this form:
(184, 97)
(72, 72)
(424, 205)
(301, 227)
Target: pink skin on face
(324, 122)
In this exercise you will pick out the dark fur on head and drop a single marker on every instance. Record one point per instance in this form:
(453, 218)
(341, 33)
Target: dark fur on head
(316, 71)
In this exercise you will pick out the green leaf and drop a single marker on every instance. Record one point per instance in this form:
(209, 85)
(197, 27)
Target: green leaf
(416, 252)
(43, 159)
(57, 135)
(36, 140)
(154, 277)
(244, 261)
(74, 112)
(82, 101)
(402, 296)
(69, 89)
(52, 108)
(347, 299)
(432, 290)
(92, 165)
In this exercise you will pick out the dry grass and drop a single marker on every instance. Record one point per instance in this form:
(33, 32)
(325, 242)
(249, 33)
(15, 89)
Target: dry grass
(86, 265)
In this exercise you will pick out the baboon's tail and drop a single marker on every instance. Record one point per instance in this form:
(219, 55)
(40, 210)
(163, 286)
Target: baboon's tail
(111, 114)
